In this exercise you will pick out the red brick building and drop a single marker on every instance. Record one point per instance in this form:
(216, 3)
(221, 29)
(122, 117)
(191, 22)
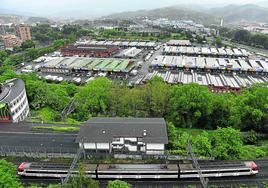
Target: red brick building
(89, 51)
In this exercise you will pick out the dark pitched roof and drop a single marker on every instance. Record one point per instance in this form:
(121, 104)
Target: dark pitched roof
(102, 130)
(11, 89)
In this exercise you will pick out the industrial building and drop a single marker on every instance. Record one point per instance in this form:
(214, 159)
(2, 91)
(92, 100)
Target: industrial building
(216, 82)
(179, 43)
(205, 51)
(89, 50)
(129, 53)
(137, 135)
(208, 63)
(120, 43)
(14, 105)
(68, 65)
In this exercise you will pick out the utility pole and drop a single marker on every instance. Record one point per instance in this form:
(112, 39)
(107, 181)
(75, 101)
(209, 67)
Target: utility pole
(68, 109)
(203, 180)
(74, 162)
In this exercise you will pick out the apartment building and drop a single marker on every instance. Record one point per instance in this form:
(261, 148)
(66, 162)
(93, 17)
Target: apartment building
(25, 32)
(14, 105)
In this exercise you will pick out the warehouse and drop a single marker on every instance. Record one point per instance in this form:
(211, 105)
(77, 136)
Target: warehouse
(120, 43)
(129, 53)
(89, 50)
(112, 135)
(208, 63)
(216, 82)
(205, 51)
(179, 43)
(68, 65)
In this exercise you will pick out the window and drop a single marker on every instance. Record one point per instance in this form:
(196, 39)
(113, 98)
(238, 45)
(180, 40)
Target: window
(116, 139)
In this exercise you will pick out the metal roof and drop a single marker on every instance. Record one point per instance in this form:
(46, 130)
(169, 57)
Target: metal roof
(103, 130)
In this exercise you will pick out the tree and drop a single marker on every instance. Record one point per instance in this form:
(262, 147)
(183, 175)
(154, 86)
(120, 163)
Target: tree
(202, 145)
(81, 180)
(190, 106)
(3, 56)
(159, 93)
(226, 143)
(27, 44)
(92, 99)
(7, 175)
(58, 43)
(118, 184)
(251, 137)
(219, 42)
(242, 36)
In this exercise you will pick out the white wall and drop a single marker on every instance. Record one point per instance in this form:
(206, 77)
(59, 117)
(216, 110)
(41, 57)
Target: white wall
(88, 145)
(131, 139)
(155, 152)
(103, 146)
(131, 148)
(100, 146)
(155, 146)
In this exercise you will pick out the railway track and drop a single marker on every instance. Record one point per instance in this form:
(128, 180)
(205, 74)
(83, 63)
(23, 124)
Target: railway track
(257, 180)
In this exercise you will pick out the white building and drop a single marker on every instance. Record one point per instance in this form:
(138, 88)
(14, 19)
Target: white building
(141, 135)
(14, 105)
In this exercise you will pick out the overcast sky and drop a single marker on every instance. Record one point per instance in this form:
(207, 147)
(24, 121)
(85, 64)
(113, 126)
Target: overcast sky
(100, 7)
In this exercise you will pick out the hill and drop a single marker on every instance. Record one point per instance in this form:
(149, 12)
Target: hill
(174, 12)
(236, 13)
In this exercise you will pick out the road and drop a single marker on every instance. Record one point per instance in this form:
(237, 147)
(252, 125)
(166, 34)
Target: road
(24, 127)
(38, 143)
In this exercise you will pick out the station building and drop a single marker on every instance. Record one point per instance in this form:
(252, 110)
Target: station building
(136, 135)
(14, 105)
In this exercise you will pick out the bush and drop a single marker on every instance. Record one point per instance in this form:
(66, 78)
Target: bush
(250, 138)
(251, 152)
(118, 184)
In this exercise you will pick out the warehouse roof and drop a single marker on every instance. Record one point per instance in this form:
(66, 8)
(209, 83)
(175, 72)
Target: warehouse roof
(102, 130)
(179, 43)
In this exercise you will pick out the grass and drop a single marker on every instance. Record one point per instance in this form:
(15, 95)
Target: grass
(193, 132)
(49, 116)
(57, 129)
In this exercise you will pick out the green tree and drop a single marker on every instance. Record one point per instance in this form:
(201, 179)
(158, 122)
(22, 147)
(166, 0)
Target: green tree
(7, 175)
(92, 99)
(202, 144)
(251, 137)
(81, 180)
(3, 56)
(159, 93)
(190, 106)
(118, 184)
(27, 44)
(58, 43)
(219, 42)
(226, 143)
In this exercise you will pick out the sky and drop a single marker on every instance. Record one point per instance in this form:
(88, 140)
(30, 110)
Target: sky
(99, 7)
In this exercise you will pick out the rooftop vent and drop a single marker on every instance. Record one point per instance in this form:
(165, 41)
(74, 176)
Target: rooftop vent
(144, 132)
